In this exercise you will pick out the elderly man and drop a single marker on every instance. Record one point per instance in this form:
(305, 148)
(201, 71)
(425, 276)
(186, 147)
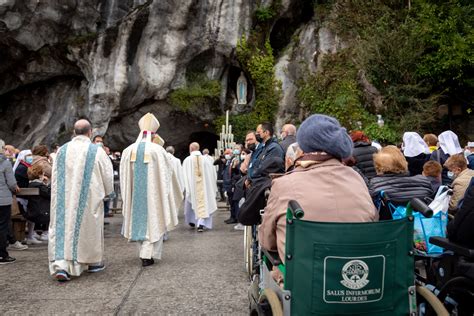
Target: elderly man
(177, 167)
(199, 179)
(150, 192)
(327, 190)
(82, 177)
(251, 144)
(288, 136)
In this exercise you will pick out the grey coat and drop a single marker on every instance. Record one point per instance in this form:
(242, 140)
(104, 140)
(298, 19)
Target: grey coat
(7, 181)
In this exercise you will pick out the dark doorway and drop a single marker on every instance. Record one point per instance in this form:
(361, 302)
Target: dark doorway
(204, 139)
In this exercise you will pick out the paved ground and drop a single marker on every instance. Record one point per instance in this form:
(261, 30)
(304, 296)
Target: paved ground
(200, 274)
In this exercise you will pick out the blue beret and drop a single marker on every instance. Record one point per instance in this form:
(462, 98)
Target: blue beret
(324, 133)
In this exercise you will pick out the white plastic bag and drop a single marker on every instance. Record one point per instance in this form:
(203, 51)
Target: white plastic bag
(441, 200)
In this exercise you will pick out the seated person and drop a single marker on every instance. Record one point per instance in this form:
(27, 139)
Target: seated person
(460, 229)
(395, 180)
(457, 166)
(39, 205)
(326, 189)
(432, 170)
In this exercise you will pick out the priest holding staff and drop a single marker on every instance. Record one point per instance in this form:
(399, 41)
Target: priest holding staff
(150, 192)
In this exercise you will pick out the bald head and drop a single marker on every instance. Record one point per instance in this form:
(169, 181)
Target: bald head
(288, 130)
(83, 127)
(193, 147)
(170, 149)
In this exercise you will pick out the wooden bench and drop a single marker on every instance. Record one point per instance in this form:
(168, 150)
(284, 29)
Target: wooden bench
(18, 221)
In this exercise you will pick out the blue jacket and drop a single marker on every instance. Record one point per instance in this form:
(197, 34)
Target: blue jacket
(470, 158)
(264, 151)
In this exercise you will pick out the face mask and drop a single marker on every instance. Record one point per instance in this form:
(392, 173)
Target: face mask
(251, 147)
(450, 175)
(29, 160)
(236, 152)
(100, 144)
(259, 138)
(242, 157)
(228, 157)
(467, 152)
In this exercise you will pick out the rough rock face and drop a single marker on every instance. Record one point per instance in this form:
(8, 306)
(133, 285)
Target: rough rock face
(110, 61)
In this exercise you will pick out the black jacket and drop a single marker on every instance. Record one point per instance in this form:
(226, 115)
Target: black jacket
(363, 154)
(249, 213)
(460, 230)
(415, 164)
(38, 209)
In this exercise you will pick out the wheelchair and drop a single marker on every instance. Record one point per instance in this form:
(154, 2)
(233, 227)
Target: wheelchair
(342, 269)
(450, 276)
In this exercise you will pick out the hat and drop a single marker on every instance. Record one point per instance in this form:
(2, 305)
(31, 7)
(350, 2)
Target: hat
(324, 133)
(470, 144)
(148, 124)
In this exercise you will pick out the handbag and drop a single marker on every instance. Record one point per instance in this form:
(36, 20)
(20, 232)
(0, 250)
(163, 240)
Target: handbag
(15, 207)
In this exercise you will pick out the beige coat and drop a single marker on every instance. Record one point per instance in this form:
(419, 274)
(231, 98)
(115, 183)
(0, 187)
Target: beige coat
(327, 192)
(460, 184)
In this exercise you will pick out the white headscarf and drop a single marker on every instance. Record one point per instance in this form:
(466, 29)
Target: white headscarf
(21, 156)
(449, 143)
(414, 145)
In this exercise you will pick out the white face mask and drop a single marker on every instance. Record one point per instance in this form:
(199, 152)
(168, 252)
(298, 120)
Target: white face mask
(450, 174)
(228, 157)
(467, 152)
(242, 157)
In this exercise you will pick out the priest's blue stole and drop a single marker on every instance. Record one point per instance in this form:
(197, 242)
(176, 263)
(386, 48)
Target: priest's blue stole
(83, 196)
(60, 202)
(140, 197)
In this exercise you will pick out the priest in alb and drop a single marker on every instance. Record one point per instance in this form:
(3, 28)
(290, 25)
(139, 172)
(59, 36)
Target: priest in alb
(201, 187)
(150, 192)
(82, 177)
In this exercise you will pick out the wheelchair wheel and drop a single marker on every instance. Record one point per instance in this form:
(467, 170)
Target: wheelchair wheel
(270, 303)
(248, 250)
(434, 303)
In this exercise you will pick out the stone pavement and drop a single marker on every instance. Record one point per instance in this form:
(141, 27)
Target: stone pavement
(200, 274)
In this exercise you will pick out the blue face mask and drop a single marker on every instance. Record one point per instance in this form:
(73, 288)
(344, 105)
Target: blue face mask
(236, 152)
(29, 160)
(450, 174)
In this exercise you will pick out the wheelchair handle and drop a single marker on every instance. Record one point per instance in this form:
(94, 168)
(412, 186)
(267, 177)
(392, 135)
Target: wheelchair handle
(418, 205)
(295, 209)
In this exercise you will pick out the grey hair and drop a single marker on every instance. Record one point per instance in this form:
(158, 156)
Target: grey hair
(170, 149)
(292, 151)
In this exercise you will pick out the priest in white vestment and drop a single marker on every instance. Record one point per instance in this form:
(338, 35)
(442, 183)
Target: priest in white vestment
(177, 167)
(201, 187)
(150, 192)
(82, 177)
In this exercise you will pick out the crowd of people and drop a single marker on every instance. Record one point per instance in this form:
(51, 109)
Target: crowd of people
(335, 176)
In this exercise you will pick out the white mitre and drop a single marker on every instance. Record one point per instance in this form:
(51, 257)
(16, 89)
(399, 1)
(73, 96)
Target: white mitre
(148, 124)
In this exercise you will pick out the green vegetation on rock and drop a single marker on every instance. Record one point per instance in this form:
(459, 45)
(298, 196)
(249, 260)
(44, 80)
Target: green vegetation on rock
(199, 92)
(418, 58)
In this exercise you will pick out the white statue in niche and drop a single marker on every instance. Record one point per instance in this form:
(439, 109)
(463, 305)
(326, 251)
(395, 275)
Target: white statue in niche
(242, 89)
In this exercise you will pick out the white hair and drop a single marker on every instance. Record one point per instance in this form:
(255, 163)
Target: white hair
(292, 151)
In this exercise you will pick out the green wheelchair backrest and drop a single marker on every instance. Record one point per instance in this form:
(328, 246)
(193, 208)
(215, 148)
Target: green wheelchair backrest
(349, 268)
